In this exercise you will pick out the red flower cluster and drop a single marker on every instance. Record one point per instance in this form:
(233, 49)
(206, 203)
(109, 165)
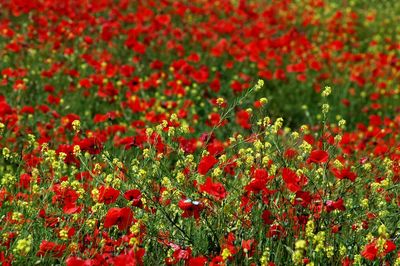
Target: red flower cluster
(206, 163)
(371, 250)
(52, 249)
(318, 157)
(135, 132)
(190, 208)
(122, 217)
(215, 189)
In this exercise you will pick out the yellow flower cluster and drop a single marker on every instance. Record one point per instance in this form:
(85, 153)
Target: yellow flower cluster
(319, 240)
(325, 108)
(76, 125)
(63, 234)
(326, 92)
(226, 254)
(310, 229)
(265, 257)
(23, 246)
(8, 180)
(298, 254)
(277, 125)
(259, 85)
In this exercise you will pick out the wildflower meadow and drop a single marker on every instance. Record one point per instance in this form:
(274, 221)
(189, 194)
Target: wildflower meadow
(177, 132)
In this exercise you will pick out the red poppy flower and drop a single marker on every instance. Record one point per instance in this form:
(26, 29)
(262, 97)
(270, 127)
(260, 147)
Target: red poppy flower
(260, 174)
(389, 247)
(122, 217)
(335, 205)
(258, 182)
(214, 120)
(51, 249)
(380, 150)
(267, 217)
(370, 251)
(91, 145)
(291, 179)
(206, 163)
(290, 153)
(67, 196)
(190, 208)
(197, 261)
(108, 195)
(230, 167)
(75, 261)
(243, 119)
(276, 230)
(344, 173)
(25, 180)
(217, 190)
(318, 156)
(182, 254)
(249, 246)
(347, 261)
(132, 258)
(135, 196)
(71, 208)
(215, 147)
(303, 198)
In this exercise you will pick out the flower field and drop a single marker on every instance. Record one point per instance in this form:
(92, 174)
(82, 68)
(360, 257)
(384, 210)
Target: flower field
(228, 132)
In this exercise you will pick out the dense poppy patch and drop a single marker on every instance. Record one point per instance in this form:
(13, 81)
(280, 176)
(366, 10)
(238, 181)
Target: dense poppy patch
(199, 132)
